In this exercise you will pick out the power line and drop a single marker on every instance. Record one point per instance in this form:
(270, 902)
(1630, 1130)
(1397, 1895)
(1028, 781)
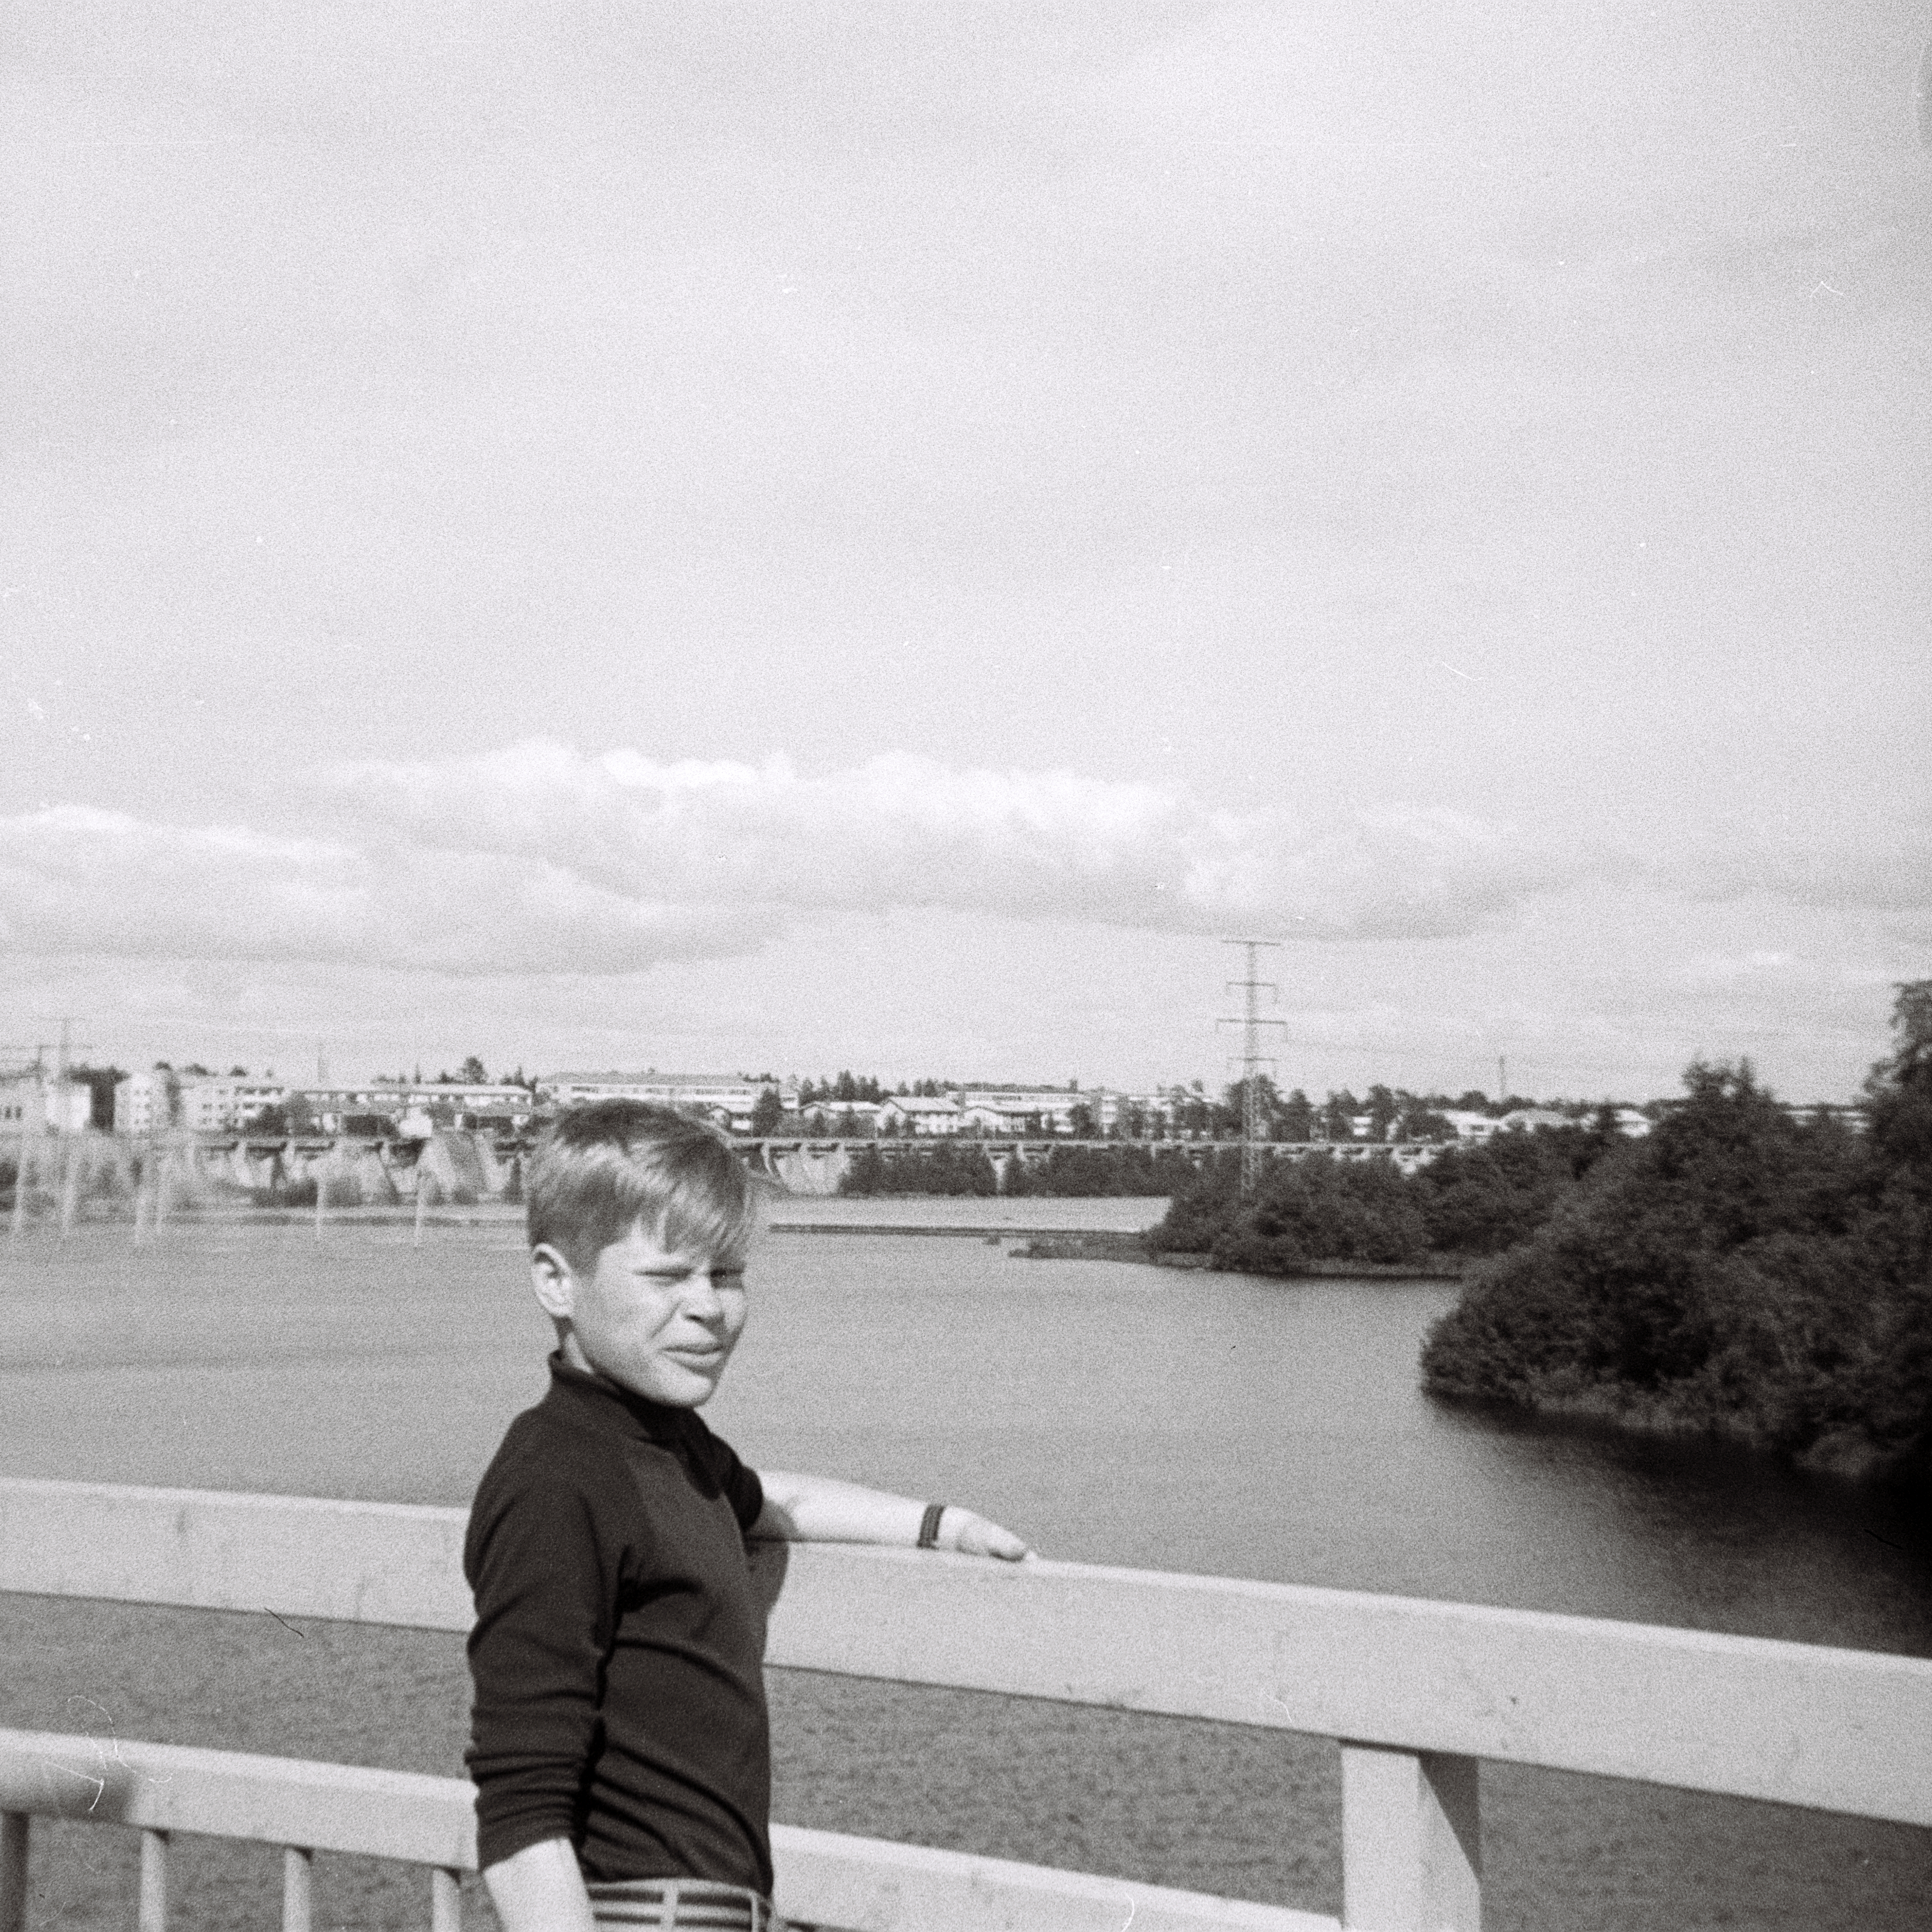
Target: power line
(1251, 1022)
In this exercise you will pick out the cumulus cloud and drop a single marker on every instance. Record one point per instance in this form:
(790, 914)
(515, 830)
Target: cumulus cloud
(905, 831)
(1889, 870)
(77, 880)
(538, 858)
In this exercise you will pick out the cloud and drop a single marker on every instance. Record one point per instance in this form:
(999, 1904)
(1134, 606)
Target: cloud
(77, 880)
(901, 831)
(537, 859)
(1889, 869)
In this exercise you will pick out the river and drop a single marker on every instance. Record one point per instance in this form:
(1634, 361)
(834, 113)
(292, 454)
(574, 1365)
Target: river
(1114, 1414)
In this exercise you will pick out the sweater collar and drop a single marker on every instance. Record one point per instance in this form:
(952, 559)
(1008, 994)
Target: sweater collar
(601, 1403)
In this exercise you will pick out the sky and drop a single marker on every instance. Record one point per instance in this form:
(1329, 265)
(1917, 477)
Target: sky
(748, 536)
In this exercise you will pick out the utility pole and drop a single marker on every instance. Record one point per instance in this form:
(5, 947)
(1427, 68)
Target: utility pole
(1502, 1076)
(1251, 1020)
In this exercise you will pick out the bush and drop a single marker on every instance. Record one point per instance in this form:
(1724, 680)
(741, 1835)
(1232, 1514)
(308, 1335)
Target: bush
(1480, 1200)
(1319, 1208)
(941, 1168)
(964, 1167)
(1736, 1271)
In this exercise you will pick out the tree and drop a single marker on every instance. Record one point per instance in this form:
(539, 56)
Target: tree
(767, 1112)
(1081, 1122)
(1898, 1096)
(473, 1074)
(1297, 1121)
(1734, 1269)
(1383, 1109)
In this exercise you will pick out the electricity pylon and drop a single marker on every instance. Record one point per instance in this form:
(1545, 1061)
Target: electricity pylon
(1251, 1022)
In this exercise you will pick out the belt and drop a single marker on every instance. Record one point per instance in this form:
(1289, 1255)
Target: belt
(666, 1903)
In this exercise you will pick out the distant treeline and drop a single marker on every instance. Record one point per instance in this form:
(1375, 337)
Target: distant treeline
(1734, 1272)
(963, 1167)
(1468, 1200)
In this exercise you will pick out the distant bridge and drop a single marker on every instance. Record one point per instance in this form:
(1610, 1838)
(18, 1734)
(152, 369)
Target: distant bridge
(181, 1168)
(808, 1165)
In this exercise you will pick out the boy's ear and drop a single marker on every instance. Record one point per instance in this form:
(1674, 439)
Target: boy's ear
(552, 1282)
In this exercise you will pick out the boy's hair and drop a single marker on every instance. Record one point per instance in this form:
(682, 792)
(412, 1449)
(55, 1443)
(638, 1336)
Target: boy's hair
(603, 1167)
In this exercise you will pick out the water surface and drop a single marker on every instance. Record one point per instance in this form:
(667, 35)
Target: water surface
(1116, 1414)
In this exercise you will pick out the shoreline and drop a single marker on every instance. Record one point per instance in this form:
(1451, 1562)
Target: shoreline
(1844, 1457)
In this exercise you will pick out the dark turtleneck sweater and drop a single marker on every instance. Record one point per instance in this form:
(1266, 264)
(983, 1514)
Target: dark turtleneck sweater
(620, 1699)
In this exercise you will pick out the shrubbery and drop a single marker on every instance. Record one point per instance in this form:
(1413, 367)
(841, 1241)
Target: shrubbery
(963, 1167)
(1322, 1207)
(1480, 1200)
(1736, 1271)
(1317, 1208)
(948, 1167)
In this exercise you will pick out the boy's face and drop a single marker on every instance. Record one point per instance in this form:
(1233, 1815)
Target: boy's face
(660, 1323)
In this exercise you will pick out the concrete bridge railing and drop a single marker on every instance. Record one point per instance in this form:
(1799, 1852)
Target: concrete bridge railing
(1417, 1693)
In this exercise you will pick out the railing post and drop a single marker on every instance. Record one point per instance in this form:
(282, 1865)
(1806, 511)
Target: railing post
(1411, 1841)
(446, 1901)
(13, 1860)
(297, 1889)
(154, 1882)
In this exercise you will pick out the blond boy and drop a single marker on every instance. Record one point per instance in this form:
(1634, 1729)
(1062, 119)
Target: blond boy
(619, 1743)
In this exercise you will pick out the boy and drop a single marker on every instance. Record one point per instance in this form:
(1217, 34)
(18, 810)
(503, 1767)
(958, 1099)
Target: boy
(619, 1739)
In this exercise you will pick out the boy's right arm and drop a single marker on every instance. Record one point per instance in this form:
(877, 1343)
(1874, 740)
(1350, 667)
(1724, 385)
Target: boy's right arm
(542, 1603)
(540, 1889)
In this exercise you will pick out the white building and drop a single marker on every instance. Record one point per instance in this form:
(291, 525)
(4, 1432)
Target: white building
(414, 1108)
(920, 1114)
(727, 1099)
(1471, 1126)
(1022, 1111)
(145, 1103)
(220, 1105)
(141, 1102)
(23, 1102)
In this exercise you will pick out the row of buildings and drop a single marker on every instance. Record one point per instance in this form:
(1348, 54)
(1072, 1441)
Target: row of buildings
(164, 1098)
(34, 1099)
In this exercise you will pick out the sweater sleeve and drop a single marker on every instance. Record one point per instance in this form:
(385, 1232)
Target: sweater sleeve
(739, 1483)
(546, 1593)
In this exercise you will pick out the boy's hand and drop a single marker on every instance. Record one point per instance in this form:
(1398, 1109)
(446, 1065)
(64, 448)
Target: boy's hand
(973, 1535)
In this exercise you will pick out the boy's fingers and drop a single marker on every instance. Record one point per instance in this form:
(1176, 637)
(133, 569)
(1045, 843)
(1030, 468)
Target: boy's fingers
(979, 1537)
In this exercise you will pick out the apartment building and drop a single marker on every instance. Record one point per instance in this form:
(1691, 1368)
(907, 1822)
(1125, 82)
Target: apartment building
(920, 1114)
(727, 1099)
